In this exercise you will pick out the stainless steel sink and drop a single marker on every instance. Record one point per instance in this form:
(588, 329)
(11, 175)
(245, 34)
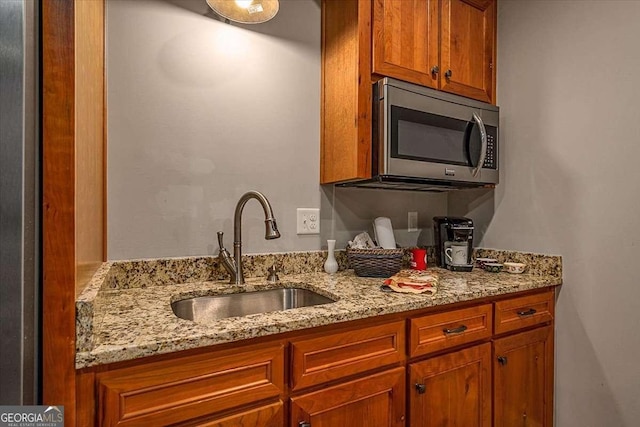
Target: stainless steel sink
(202, 309)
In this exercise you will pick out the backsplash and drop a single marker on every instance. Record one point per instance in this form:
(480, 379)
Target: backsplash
(154, 272)
(537, 264)
(167, 271)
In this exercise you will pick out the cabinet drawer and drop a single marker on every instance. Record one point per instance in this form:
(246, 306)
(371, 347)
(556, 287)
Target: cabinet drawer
(322, 359)
(177, 390)
(522, 312)
(439, 331)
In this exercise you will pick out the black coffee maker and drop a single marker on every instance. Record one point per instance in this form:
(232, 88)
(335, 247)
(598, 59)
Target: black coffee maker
(454, 242)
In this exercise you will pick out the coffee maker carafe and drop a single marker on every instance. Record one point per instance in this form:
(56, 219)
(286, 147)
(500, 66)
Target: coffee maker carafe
(454, 242)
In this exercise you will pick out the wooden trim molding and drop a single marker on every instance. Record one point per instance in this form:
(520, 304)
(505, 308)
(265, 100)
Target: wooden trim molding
(58, 215)
(89, 138)
(72, 180)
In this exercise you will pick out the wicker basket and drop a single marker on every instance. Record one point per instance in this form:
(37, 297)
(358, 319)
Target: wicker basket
(375, 262)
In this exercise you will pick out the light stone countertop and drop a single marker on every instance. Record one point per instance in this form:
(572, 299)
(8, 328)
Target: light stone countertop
(125, 324)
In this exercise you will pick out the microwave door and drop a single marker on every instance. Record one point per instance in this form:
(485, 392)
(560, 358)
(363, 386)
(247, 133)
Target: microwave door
(427, 145)
(422, 136)
(476, 143)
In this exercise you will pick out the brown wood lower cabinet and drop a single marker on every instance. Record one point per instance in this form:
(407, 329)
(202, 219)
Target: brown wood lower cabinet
(463, 366)
(452, 390)
(523, 379)
(374, 401)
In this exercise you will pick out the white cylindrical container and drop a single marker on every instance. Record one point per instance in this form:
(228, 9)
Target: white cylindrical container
(331, 265)
(384, 233)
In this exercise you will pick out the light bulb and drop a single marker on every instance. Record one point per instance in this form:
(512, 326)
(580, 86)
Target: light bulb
(245, 11)
(244, 3)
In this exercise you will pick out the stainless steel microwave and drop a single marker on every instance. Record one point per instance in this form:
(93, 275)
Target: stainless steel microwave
(425, 139)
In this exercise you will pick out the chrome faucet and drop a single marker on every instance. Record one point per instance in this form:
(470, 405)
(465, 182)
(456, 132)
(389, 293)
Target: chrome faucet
(234, 267)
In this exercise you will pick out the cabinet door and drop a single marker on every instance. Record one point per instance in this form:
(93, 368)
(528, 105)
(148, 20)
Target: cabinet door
(452, 390)
(405, 40)
(467, 50)
(374, 401)
(523, 379)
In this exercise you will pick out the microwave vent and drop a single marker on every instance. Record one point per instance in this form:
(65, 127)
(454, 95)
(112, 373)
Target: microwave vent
(392, 182)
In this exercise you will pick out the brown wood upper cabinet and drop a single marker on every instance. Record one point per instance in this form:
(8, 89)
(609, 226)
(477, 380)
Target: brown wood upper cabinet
(468, 48)
(405, 40)
(444, 44)
(448, 45)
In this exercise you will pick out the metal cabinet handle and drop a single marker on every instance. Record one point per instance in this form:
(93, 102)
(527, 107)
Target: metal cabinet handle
(502, 360)
(304, 424)
(529, 312)
(435, 70)
(457, 330)
(448, 74)
(421, 388)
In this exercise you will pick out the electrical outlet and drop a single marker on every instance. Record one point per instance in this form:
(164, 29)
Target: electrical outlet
(412, 222)
(308, 221)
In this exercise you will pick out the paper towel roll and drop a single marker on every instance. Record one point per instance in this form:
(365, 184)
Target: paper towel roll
(384, 233)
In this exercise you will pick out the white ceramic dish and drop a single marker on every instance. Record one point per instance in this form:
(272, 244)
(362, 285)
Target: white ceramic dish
(514, 267)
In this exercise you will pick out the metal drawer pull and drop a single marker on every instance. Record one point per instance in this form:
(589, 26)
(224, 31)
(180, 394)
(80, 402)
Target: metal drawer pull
(502, 360)
(457, 330)
(304, 424)
(529, 312)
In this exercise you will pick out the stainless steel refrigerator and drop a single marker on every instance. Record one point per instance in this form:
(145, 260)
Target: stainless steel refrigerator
(19, 203)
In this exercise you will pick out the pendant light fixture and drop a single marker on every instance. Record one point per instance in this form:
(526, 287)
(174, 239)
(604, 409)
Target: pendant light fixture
(245, 11)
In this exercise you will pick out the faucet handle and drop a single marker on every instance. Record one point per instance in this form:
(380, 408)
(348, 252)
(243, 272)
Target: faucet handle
(221, 240)
(273, 274)
(225, 258)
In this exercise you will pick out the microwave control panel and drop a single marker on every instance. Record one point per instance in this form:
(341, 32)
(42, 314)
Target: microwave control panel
(491, 161)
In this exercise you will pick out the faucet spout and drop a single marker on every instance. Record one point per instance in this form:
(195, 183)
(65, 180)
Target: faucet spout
(271, 230)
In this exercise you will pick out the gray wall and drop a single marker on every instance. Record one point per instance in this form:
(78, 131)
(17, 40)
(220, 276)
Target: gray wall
(568, 90)
(200, 111)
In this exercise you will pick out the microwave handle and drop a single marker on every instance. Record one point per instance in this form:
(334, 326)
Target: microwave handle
(483, 148)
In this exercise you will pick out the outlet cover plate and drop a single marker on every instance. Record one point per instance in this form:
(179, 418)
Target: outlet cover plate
(308, 221)
(412, 222)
